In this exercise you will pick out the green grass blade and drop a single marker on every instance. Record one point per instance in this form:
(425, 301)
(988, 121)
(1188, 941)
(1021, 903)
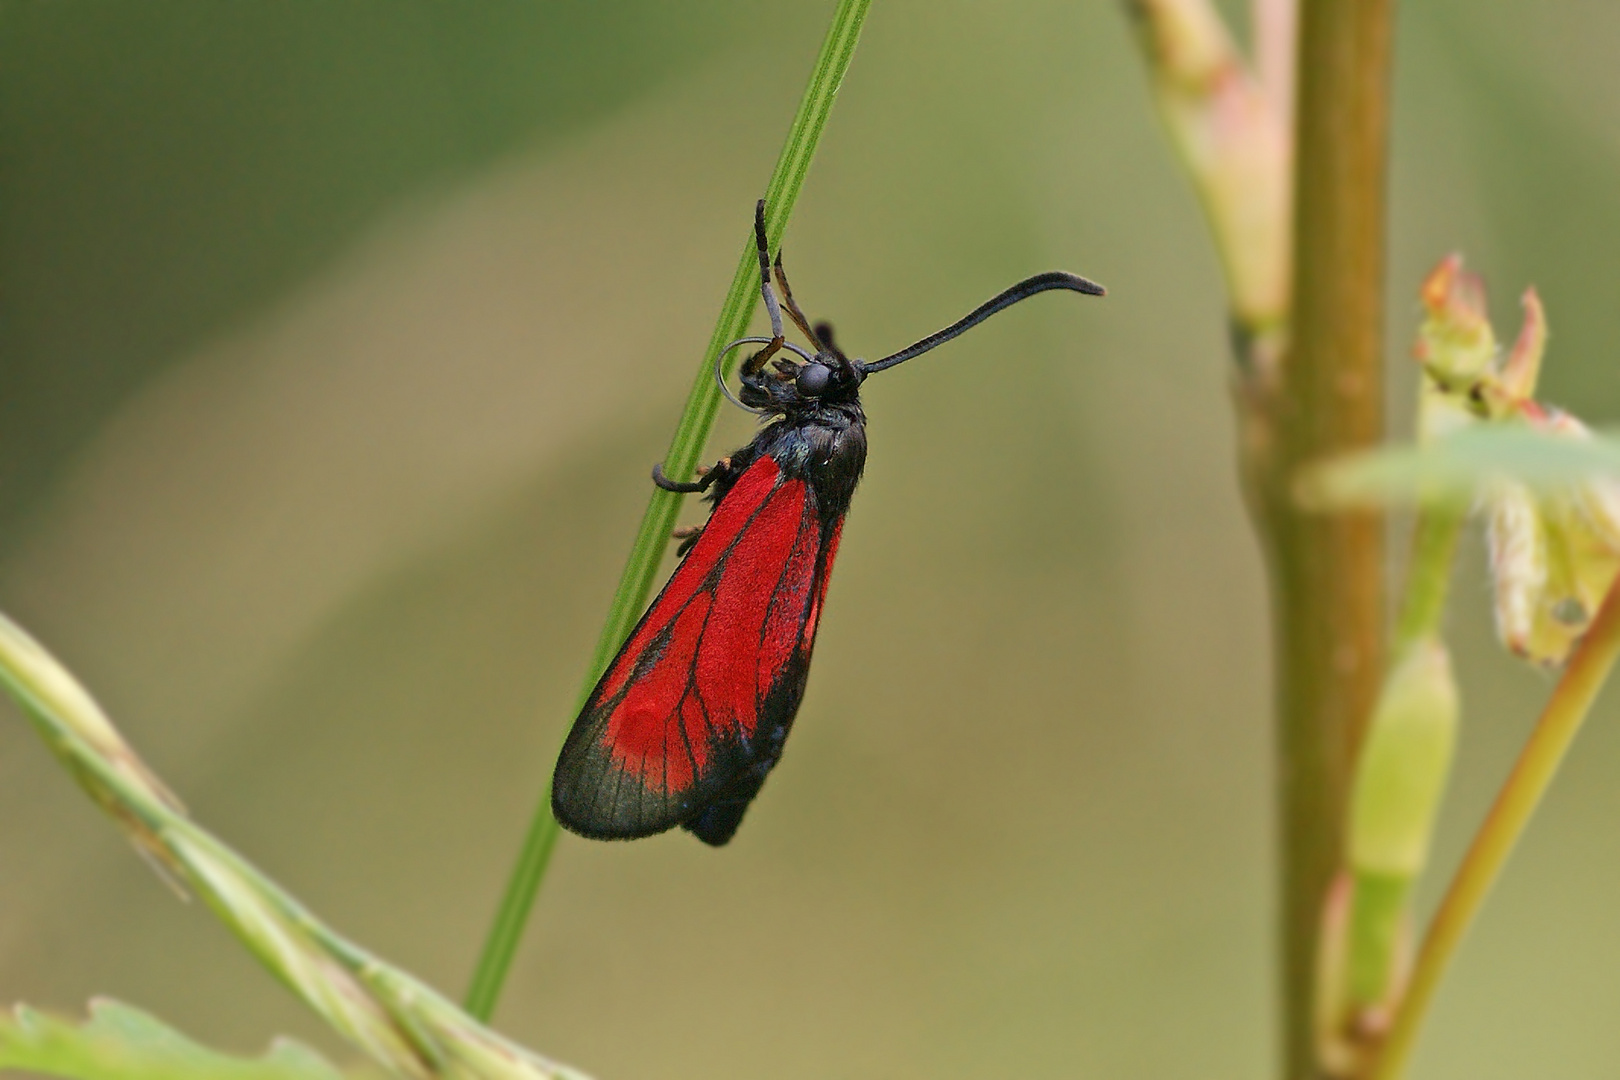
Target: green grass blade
(396, 1020)
(679, 463)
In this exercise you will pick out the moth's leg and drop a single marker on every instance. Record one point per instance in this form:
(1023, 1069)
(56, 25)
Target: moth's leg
(685, 488)
(720, 472)
(707, 475)
(792, 306)
(756, 363)
(688, 536)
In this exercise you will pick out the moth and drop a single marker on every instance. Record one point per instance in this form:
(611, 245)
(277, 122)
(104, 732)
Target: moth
(692, 714)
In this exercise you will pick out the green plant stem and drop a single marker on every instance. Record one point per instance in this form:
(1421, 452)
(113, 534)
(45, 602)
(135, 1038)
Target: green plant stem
(1428, 579)
(1538, 763)
(1377, 910)
(1326, 571)
(680, 463)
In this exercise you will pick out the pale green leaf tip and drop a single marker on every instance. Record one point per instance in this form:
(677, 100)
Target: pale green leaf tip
(1455, 468)
(121, 1042)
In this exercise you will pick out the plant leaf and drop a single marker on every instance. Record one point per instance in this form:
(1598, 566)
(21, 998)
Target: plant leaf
(401, 1023)
(120, 1042)
(1455, 467)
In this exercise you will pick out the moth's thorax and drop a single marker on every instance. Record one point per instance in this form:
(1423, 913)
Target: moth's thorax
(825, 446)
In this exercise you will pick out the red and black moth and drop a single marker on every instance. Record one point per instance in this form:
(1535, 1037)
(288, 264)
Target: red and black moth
(692, 713)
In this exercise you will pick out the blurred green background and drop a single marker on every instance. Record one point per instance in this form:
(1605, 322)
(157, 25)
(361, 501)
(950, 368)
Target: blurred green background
(336, 340)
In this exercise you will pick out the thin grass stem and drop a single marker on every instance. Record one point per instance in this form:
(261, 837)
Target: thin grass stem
(1434, 547)
(680, 463)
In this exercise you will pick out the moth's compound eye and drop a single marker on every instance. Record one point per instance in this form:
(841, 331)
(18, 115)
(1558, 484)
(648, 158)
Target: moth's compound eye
(813, 380)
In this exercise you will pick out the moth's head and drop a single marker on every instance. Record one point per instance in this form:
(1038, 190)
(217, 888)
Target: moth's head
(789, 386)
(828, 377)
(797, 380)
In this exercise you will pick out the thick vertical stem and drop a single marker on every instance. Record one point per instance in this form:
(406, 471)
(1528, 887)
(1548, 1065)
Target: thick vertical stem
(1327, 571)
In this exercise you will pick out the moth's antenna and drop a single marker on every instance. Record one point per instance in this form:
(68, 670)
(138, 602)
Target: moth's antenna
(1052, 279)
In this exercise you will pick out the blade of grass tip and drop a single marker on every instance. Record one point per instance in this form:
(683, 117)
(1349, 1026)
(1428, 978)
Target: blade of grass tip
(1521, 794)
(679, 463)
